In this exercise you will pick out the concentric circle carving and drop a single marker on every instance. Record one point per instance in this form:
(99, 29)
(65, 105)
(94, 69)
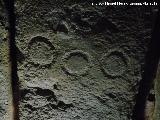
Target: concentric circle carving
(41, 51)
(114, 63)
(76, 62)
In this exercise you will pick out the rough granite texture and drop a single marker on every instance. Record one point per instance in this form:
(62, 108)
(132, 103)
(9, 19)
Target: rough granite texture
(80, 62)
(5, 80)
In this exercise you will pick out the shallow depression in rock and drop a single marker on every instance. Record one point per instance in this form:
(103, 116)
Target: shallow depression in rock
(76, 63)
(115, 63)
(41, 51)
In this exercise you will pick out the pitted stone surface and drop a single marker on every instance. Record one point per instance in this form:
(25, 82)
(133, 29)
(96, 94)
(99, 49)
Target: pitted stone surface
(41, 50)
(108, 90)
(115, 63)
(76, 62)
(5, 79)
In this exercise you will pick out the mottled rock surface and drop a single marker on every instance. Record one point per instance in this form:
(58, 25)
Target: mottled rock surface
(80, 62)
(157, 93)
(5, 76)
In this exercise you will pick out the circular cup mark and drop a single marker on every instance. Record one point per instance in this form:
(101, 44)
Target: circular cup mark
(114, 63)
(76, 62)
(41, 51)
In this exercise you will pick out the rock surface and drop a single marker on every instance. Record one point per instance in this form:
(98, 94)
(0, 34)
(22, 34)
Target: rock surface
(80, 62)
(157, 94)
(5, 76)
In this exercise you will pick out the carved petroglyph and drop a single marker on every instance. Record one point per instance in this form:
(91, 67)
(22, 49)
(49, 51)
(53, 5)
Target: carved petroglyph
(114, 63)
(76, 62)
(41, 50)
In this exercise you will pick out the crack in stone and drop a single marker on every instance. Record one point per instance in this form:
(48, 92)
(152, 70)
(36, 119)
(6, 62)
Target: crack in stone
(9, 4)
(151, 64)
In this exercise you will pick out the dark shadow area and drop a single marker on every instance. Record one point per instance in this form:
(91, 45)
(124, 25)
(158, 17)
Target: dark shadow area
(151, 64)
(13, 57)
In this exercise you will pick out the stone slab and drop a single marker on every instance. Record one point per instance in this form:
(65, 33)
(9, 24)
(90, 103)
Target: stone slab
(78, 61)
